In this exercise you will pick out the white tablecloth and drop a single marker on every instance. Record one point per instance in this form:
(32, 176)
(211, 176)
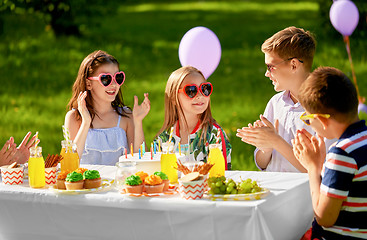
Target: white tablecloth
(286, 213)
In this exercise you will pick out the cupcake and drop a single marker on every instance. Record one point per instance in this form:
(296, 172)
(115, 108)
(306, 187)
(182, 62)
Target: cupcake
(164, 178)
(133, 184)
(81, 170)
(92, 179)
(154, 184)
(60, 181)
(74, 181)
(142, 175)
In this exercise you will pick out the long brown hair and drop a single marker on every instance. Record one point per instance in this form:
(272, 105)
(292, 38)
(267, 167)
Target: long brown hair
(87, 68)
(172, 106)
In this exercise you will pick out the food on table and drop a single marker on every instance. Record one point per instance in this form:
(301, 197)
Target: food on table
(203, 168)
(223, 185)
(142, 175)
(153, 184)
(70, 156)
(92, 179)
(60, 181)
(74, 181)
(81, 170)
(36, 168)
(165, 180)
(13, 165)
(190, 177)
(133, 184)
(52, 160)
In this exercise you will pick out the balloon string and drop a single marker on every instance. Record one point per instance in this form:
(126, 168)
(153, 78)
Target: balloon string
(347, 45)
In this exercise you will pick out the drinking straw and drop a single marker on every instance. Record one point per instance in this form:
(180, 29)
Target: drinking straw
(218, 136)
(179, 148)
(139, 154)
(159, 145)
(169, 139)
(151, 147)
(154, 147)
(143, 148)
(132, 152)
(66, 133)
(36, 141)
(126, 153)
(151, 153)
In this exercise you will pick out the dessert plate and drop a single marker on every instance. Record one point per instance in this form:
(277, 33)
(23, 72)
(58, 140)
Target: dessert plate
(238, 197)
(171, 191)
(106, 184)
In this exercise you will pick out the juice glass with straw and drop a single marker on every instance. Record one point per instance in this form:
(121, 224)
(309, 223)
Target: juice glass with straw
(36, 167)
(216, 157)
(169, 162)
(70, 156)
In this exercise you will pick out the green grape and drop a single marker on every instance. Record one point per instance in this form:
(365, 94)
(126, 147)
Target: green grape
(223, 189)
(213, 185)
(216, 191)
(234, 191)
(231, 184)
(223, 178)
(218, 184)
(229, 189)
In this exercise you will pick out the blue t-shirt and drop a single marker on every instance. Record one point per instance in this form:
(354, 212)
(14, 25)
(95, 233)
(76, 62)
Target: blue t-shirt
(344, 176)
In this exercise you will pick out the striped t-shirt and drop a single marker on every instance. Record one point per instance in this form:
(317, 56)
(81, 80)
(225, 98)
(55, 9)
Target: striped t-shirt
(344, 176)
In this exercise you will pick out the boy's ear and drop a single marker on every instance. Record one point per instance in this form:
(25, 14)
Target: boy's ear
(324, 121)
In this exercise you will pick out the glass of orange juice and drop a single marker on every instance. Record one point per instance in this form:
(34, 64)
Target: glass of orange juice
(70, 156)
(169, 162)
(36, 168)
(216, 157)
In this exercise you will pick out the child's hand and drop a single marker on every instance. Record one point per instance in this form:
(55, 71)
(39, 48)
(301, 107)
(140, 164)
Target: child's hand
(7, 152)
(22, 154)
(140, 111)
(82, 108)
(309, 151)
(262, 134)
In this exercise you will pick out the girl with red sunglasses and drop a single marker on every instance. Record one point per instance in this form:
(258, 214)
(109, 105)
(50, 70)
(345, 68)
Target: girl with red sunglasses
(187, 110)
(99, 122)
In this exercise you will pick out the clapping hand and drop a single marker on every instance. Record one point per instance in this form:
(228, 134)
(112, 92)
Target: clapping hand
(309, 150)
(22, 154)
(82, 107)
(262, 134)
(7, 152)
(140, 111)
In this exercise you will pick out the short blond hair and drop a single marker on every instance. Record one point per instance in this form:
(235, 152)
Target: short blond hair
(292, 42)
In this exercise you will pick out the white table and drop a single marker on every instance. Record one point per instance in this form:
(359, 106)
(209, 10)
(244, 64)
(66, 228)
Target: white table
(286, 213)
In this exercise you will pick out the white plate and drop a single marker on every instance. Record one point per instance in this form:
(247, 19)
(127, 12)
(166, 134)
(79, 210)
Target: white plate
(238, 197)
(106, 184)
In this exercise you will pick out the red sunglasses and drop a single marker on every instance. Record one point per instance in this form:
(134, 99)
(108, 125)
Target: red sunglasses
(106, 78)
(191, 90)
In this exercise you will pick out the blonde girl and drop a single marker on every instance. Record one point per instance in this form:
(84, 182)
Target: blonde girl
(187, 110)
(100, 124)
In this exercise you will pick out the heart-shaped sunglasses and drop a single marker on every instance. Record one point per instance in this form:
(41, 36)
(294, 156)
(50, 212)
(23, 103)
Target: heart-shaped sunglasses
(191, 90)
(106, 78)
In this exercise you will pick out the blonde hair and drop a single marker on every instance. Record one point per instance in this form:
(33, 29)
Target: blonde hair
(292, 42)
(172, 106)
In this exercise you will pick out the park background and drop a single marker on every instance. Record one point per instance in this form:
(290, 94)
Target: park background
(40, 57)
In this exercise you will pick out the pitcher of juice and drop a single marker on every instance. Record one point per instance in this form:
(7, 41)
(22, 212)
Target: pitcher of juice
(70, 156)
(216, 157)
(169, 162)
(36, 168)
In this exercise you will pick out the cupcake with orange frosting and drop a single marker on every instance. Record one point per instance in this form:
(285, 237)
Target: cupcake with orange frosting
(165, 180)
(133, 184)
(74, 181)
(60, 181)
(142, 175)
(153, 184)
(81, 170)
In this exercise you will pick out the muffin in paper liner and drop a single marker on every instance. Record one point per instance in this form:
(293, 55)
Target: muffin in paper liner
(12, 176)
(192, 190)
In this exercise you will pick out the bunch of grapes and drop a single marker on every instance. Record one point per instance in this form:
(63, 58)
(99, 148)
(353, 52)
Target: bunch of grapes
(223, 185)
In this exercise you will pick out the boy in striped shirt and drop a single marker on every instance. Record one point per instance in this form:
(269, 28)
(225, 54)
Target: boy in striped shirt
(338, 184)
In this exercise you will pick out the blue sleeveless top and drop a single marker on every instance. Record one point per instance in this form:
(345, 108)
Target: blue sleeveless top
(104, 146)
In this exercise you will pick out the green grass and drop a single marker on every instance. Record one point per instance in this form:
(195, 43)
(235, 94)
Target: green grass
(38, 70)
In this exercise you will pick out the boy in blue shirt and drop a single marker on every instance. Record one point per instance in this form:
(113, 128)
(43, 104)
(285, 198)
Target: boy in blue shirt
(338, 184)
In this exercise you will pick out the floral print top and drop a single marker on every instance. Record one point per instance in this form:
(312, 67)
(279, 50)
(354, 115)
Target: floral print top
(197, 150)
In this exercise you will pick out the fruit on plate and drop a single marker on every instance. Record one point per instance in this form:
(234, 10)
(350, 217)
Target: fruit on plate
(223, 185)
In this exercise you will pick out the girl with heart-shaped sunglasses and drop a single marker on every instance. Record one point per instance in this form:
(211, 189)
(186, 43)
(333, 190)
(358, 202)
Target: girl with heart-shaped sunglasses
(187, 110)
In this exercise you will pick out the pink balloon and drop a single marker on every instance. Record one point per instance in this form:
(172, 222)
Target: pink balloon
(200, 48)
(344, 16)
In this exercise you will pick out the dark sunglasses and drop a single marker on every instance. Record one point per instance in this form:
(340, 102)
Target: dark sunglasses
(106, 78)
(191, 90)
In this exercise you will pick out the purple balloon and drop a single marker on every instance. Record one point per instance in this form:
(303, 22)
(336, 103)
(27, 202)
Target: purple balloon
(200, 48)
(362, 107)
(344, 16)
